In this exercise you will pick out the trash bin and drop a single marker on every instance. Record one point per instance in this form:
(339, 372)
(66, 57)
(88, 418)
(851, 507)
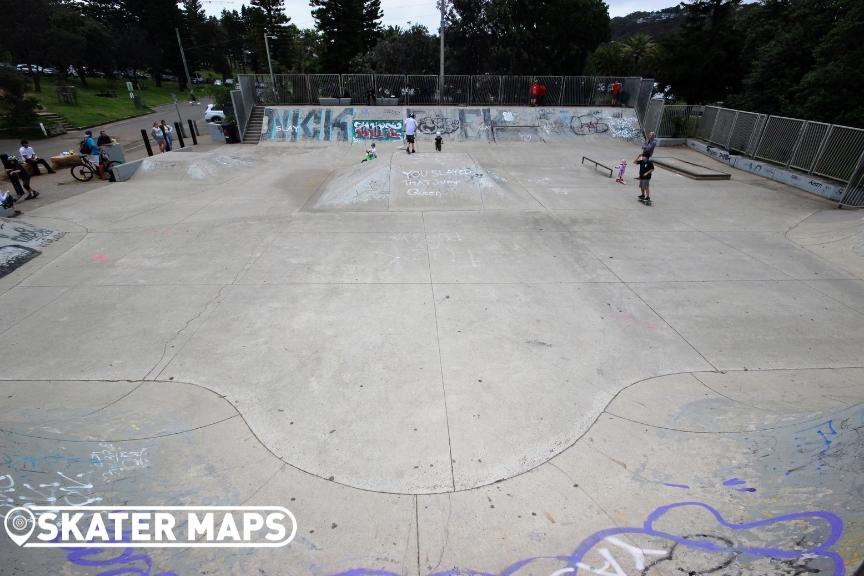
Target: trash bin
(232, 134)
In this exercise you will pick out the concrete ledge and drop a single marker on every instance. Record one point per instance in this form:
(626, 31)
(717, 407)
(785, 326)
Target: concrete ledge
(328, 101)
(804, 182)
(690, 169)
(123, 172)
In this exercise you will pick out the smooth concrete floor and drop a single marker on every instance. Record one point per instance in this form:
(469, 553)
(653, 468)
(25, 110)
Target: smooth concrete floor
(475, 362)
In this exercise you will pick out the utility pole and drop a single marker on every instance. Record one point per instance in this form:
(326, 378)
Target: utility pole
(185, 66)
(270, 63)
(443, 5)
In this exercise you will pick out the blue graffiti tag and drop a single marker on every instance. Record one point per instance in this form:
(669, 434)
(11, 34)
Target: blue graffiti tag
(721, 550)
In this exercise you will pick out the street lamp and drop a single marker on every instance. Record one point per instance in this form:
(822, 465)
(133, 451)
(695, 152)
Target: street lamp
(269, 62)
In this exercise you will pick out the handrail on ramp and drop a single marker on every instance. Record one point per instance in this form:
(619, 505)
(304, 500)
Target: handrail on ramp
(597, 164)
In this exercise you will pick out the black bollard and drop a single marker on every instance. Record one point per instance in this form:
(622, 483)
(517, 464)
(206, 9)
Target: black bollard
(179, 130)
(192, 132)
(146, 142)
(195, 123)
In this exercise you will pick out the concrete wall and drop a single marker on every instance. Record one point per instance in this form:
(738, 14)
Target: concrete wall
(362, 123)
(787, 176)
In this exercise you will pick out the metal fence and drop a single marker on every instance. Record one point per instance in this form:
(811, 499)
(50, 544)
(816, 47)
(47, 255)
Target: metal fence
(481, 90)
(818, 148)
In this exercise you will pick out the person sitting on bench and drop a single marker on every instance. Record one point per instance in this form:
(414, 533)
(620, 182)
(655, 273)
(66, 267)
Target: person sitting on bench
(19, 177)
(31, 159)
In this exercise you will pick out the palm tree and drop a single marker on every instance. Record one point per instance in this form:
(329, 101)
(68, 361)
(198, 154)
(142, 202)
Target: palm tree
(638, 48)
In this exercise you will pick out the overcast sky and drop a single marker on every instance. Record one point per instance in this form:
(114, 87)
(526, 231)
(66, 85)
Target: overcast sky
(400, 12)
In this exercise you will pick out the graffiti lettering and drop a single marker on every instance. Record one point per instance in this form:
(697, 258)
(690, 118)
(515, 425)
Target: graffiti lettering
(437, 123)
(377, 129)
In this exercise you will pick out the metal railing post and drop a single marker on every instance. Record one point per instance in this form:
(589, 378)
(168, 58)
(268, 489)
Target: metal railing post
(821, 150)
(146, 143)
(798, 141)
(500, 89)
(732, 130)
(852, 185)
(192, 132)
(308, 89)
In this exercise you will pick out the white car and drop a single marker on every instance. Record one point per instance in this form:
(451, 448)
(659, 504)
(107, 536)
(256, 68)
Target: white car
(213, 114)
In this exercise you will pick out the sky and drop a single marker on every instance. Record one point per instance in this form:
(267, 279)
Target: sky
(400, 12)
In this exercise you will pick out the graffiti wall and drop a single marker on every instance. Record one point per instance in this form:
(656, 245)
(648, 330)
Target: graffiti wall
(358, 124)
(20, 241)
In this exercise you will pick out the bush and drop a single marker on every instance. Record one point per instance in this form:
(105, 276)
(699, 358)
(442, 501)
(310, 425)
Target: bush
(16, 108)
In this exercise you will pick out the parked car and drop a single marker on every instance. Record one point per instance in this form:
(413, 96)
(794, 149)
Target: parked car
(213, 114)
(229, 81)
(217, 82)
(26, 69)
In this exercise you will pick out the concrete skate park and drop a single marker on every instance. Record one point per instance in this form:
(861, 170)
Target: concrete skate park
(488, 360)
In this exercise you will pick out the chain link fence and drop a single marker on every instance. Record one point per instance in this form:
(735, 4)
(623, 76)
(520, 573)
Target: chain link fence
(478, 90)
(817, 148)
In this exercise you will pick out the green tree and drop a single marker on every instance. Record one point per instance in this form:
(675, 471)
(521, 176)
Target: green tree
(609, 59)
(781, 37)
(347, 28)
(398, 51)
(702, 59)
(274, 14)
(831, 90)
(15, 107)
(524, 36)
(639, 49)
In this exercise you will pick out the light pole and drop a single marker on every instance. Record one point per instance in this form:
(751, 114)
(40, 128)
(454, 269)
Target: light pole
(443, 5)
(185, 67)
(269, 62)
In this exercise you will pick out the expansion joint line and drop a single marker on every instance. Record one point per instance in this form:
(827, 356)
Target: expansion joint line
(440, 360)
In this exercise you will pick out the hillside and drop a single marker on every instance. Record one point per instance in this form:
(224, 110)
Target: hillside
(655, 24)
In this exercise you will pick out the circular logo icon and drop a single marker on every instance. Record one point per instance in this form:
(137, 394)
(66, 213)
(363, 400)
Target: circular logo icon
(20, 523)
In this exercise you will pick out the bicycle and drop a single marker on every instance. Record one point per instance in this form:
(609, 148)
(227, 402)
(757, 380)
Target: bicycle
(594, 126)
(86, 170)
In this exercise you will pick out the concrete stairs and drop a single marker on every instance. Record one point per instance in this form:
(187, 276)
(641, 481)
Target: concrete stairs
(49, 118)
(253, 129)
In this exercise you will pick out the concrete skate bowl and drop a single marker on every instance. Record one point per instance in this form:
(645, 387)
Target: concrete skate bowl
(309, 124)
(401, 182)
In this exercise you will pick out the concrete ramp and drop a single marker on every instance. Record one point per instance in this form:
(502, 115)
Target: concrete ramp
(364, 186)
(690, 169)
(423, 181)
(191, 167)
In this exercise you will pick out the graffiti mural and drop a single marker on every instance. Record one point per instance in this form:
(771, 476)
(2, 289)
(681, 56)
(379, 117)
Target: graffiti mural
(789, 544)
(350, 124)
(376, 129)
(433, 124)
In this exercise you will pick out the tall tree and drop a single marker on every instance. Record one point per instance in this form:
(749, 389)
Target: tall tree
(274, 14)
(524, 36)
(347, 28)
(701, 60)
(780, 41)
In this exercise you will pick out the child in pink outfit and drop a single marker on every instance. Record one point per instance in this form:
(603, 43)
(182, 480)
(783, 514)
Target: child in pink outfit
(621, 168)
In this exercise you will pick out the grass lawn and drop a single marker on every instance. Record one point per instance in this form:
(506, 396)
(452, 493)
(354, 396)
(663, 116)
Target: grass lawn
(92, 109)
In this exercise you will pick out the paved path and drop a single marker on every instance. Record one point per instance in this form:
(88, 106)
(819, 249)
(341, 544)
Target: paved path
(491, 361)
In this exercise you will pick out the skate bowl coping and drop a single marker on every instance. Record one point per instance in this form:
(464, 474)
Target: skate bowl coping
(597, 165)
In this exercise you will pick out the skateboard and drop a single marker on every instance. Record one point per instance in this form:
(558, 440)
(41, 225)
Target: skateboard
(646, 201)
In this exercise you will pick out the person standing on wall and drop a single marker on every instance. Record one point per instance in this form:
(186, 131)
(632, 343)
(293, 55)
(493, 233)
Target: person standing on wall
(650, 144)
(410, 132)
(616, 93)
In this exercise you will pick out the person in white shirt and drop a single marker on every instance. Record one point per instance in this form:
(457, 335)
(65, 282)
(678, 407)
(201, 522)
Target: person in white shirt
(28, 155)
(410, 131)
